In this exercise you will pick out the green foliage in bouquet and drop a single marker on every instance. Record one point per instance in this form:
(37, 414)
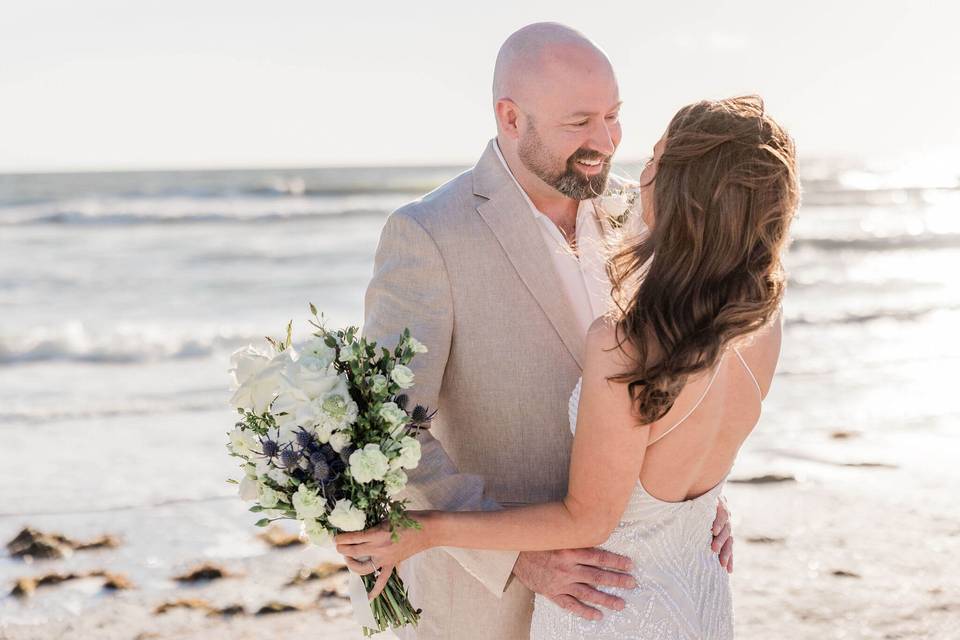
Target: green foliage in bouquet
(325, 438)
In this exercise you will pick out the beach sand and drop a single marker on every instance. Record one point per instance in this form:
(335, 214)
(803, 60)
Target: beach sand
(859, 540)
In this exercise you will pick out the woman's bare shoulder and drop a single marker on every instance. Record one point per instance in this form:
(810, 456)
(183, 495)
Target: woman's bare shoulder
(608, 349)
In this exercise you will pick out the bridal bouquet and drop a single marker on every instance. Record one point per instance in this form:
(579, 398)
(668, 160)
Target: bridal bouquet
(324, 437)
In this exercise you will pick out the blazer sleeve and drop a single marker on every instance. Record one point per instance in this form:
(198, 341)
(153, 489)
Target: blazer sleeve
(410, 288)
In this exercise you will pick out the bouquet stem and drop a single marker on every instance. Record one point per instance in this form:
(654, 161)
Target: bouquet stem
(392, 608)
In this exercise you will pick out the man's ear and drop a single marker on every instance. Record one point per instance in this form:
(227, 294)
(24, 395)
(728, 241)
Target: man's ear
(508, 117)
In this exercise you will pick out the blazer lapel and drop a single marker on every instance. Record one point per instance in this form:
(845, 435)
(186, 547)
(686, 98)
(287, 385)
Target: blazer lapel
(507, 214)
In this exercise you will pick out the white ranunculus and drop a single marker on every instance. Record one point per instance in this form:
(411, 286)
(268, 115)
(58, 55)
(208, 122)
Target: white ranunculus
(394, 482)
(318, 350)
(243, 442)
(378, 383)
(248, 488)
(403, 376)
(339, 440)
(308, 504)
(268, 498)
(334, 405)
(325, 428)
(316, 533)
(614, 205)
(409, 456)
(368, 464)
(392, 414)
(347, 517)
(415, 345)
(338, 404)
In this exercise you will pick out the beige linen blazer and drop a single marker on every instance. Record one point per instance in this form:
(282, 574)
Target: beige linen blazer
(466, 269)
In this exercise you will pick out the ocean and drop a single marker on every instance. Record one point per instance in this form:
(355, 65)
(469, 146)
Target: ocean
(123, 294)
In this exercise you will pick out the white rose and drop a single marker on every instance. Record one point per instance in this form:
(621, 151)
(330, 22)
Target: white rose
(318, 350)
(347, 517)
(403, 376)
(307, 503)
(259, 389)
(368, 464)
(268, 497)
(394, 482)
(614, 205)
(392, 414)
(246, 362)
(315, 532)
(409, 456)
(415, 345)
(298, 409)
(339, 440)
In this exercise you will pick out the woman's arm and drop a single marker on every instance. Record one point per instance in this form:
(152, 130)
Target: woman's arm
(605, 463)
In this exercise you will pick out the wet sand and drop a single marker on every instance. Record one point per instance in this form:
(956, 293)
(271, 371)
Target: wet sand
(857, 539)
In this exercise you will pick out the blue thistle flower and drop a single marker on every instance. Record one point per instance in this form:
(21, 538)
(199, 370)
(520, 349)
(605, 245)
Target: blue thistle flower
(421, 416)
(402, 400)
(289, 458)
(304, 438)
(328, 452)
(321, 470)
(268, 447)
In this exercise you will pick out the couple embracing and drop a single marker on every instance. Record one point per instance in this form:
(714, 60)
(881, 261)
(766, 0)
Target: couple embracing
(599, 351)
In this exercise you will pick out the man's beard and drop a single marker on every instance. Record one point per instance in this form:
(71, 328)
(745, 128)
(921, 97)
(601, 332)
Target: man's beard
(569, 181)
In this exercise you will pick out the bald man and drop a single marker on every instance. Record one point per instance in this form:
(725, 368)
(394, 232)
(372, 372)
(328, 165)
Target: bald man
(499, 272)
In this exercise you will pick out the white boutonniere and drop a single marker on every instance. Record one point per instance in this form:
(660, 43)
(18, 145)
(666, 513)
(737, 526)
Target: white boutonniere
(616, 206)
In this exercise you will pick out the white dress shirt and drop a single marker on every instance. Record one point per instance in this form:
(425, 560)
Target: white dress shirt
(582, 273)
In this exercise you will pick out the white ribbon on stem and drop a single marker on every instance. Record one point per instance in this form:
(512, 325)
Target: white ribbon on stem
(362, 613)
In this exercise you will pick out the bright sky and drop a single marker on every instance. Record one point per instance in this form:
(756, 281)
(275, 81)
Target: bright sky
(104, 84)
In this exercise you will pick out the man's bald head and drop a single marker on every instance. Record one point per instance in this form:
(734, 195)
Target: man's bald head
(557, 104)
(535, 58)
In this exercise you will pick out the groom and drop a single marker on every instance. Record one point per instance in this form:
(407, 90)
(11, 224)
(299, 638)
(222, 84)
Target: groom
(498, 272)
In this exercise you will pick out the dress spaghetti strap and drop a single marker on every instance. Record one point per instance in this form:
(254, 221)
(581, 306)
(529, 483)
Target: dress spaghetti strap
(694, 407)
(750, 371)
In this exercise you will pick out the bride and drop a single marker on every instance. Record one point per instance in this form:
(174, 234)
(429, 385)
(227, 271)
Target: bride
(672, 385)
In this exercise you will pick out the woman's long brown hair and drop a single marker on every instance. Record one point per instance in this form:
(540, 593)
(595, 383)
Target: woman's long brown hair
(724, 193)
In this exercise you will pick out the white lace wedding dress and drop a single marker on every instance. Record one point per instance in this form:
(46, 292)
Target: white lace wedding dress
(683, 592)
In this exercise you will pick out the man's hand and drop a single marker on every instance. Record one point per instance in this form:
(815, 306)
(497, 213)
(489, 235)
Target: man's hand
(723, 536)
(568, 578)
